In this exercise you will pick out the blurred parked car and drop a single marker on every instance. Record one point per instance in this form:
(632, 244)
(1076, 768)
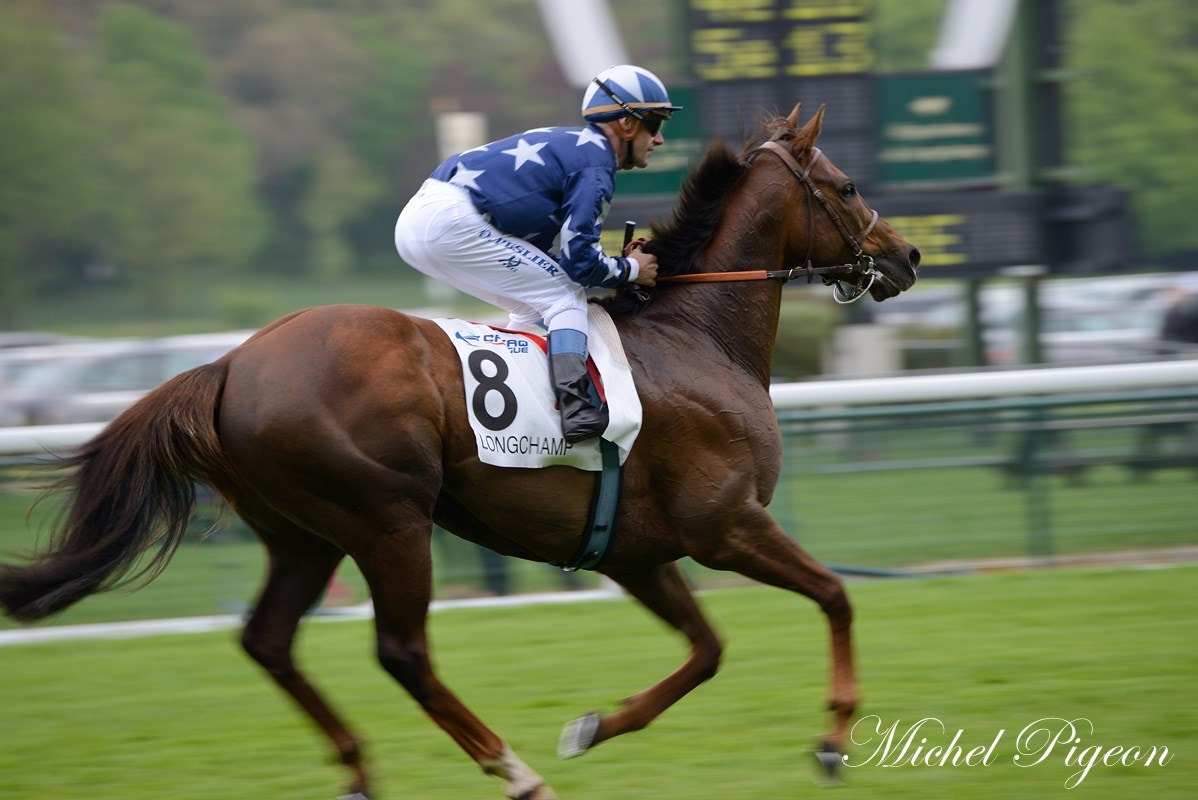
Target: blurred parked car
(1081, 335)
(17, 362)
(95, 382)
(1082, 319)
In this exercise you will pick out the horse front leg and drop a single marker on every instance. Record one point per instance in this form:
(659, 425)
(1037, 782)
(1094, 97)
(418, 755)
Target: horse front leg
(759, 549)
(399, 572)
(664, 591)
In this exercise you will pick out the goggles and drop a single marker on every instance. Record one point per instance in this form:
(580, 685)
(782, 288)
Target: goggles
(652, 122)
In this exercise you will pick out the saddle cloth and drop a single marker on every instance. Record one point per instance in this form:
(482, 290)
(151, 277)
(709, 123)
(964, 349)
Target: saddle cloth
(511, 405)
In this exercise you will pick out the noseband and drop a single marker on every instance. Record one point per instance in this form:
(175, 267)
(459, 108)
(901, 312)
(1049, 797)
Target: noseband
(833, 276)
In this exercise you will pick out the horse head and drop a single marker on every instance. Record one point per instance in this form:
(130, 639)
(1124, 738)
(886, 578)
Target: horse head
(831, 223)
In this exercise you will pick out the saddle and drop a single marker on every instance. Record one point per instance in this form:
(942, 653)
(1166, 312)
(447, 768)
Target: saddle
(512, 412)
(510, 401)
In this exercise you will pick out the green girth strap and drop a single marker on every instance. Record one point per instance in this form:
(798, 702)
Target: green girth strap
(601, 525)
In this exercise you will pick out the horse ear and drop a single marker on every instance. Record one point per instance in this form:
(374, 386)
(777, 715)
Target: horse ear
(793, 118)
(810, 132)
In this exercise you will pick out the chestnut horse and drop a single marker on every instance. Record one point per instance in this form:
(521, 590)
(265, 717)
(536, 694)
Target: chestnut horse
(342, 430)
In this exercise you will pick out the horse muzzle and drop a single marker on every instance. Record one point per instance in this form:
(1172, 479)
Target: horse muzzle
(896, 273)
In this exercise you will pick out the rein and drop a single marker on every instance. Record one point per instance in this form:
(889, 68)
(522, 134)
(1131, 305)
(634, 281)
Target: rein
(807, 271)
(832, 275)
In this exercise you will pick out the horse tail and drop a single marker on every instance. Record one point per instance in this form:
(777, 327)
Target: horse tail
(130, 488)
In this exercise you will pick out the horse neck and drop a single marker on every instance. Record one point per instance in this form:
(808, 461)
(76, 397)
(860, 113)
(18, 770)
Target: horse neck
(739, 318)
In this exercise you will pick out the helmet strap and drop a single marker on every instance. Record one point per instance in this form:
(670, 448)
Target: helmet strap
(620, 101)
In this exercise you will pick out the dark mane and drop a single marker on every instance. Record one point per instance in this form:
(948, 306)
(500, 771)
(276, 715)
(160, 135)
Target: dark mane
(678, 242)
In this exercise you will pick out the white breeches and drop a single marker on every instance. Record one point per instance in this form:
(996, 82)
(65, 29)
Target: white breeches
(441, 234)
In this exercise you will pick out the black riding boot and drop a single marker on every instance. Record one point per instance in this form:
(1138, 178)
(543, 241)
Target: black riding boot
(583, 415)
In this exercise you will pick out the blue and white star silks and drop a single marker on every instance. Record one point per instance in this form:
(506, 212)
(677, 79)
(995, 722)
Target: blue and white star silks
(525, 152)
(565, 238)
(591, 135)
(466, 177)
(529, 183)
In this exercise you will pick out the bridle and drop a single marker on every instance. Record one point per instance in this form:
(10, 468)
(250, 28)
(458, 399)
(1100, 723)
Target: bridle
(864, 262)
(831, 276)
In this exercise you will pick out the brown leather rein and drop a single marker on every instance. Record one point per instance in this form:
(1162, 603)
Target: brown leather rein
(807, 271)
(831, 275)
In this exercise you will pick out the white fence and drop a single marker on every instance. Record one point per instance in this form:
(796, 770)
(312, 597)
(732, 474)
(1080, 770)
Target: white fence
(37, 440)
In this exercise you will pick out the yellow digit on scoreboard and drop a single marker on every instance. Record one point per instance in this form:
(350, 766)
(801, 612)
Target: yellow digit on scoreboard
(723, 54)
(737, 10)
(938, 243)
(834, 48)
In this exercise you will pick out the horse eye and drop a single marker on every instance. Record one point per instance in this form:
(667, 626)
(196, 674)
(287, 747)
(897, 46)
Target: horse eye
(848, 191)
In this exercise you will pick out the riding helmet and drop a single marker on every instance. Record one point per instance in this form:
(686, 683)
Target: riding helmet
(625, 90)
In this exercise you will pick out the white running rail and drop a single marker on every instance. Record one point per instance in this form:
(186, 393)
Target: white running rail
(37, 440)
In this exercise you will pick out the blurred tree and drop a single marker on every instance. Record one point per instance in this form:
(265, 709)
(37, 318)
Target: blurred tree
(218, 27)
(292, 79)
(905, 31)
(178, 199)
(341, 188)
(390, 131)
(46, 190)
(1133, 113)
(169, 136)
(498, 61)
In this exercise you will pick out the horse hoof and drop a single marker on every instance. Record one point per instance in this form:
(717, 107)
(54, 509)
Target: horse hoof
(542, 792)
(354, 796)
(578, 736)
(828, 762)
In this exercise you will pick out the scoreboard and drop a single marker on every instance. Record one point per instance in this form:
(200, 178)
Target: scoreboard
(967, 233)
(737, 39)
(750, 55)
(924, 146)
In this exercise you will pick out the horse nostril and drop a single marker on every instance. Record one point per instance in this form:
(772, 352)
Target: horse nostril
(913, 258)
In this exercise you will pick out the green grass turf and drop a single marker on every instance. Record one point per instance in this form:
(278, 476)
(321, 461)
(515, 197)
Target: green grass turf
(186, 716)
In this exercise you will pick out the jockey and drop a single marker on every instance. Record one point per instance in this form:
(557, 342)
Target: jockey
(517, 223)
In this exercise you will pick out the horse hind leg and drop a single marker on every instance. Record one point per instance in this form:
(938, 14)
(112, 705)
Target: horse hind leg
(663, 590)
(399, 574)
(301, 566)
